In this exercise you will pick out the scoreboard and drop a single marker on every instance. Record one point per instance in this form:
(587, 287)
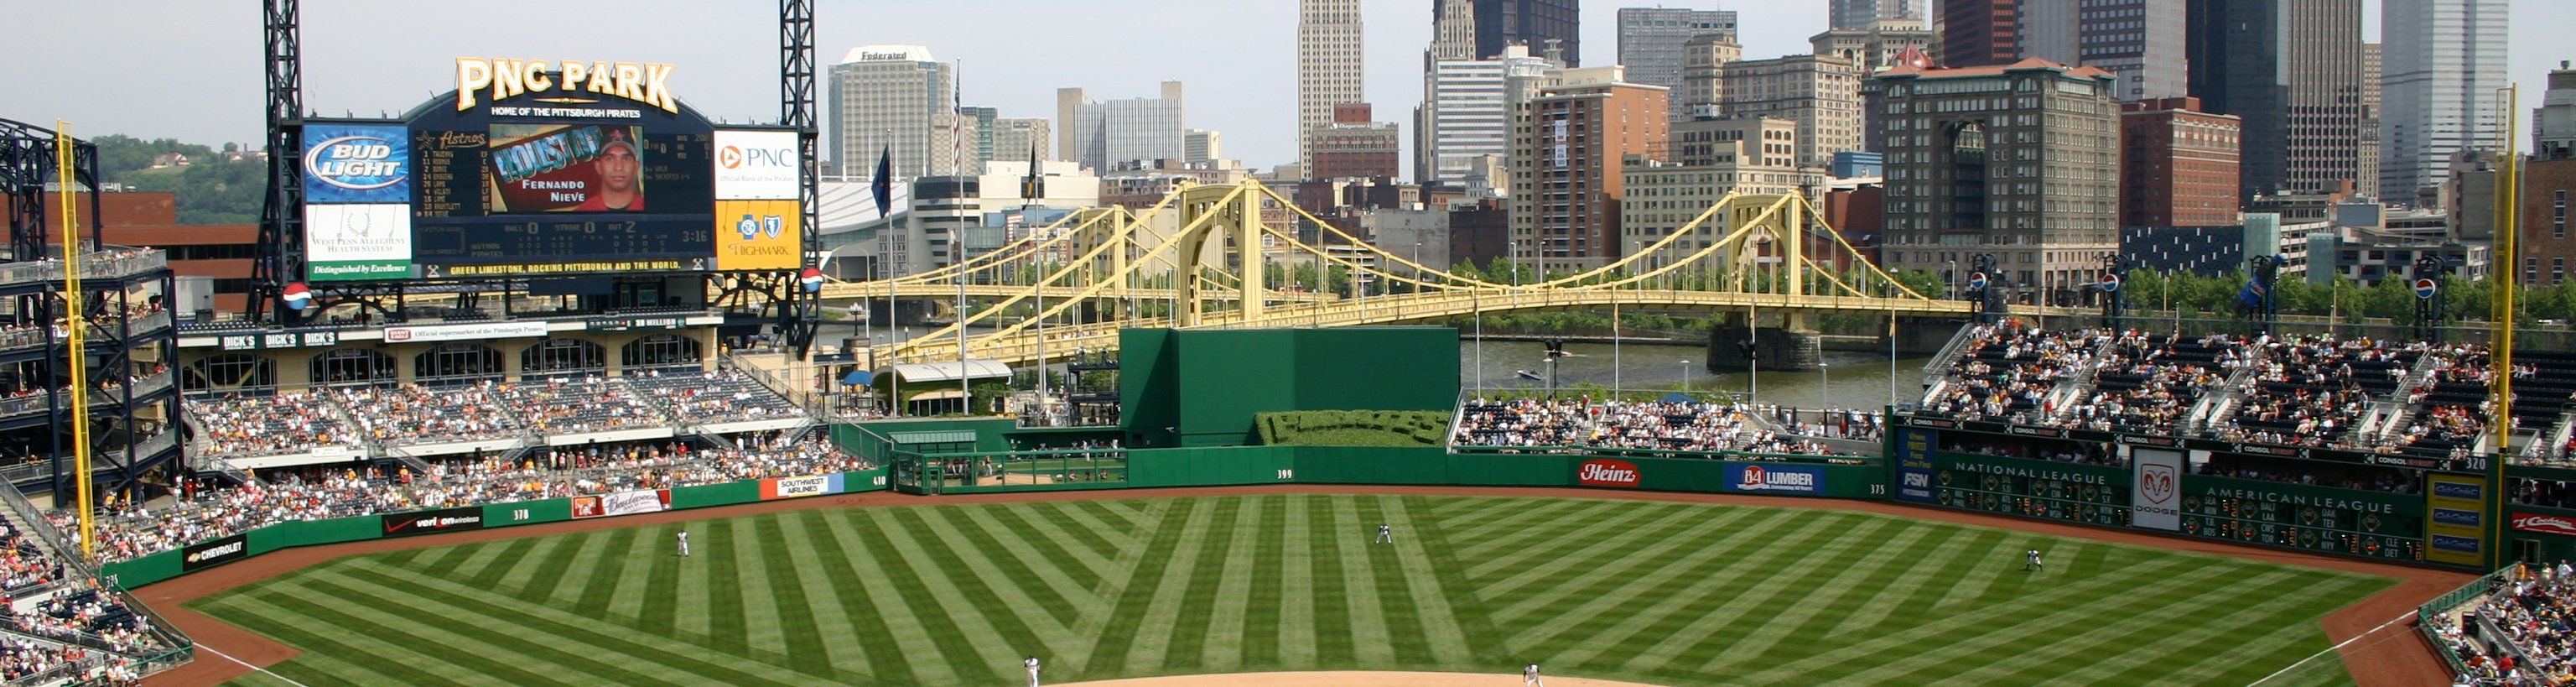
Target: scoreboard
(532, 170)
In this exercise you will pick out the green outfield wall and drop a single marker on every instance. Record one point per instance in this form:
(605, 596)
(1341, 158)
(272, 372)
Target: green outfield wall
(201, 555)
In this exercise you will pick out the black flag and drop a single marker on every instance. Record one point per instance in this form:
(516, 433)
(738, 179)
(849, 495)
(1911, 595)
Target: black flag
(1030, 188)
(883, 186)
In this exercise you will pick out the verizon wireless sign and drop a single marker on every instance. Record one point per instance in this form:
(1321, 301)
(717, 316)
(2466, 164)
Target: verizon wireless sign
(1605, 472)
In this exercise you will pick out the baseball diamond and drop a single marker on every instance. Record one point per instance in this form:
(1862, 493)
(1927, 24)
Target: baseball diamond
(957, 594)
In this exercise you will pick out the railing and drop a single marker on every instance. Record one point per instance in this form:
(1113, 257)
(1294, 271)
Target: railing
(2429, 618)
(109, 264)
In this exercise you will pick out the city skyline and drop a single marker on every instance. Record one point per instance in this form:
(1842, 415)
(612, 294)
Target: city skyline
(194, 73)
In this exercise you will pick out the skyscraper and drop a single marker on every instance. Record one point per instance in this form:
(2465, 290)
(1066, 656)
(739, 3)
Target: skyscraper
(1328, 66)
(1463, 130)
(1453, 30)
(1568, 154)
(1819, 92)
(2142, 41)
(1651, 41)
(2032, 179)
(2445, 61)
(1102, 134)
(1977, 33)
(1533, 23)
(2275, 62)
(892, 98)
(1860, 15)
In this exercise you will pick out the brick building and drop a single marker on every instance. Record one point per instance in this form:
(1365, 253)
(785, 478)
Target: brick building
(1568, 147)
(2178, 164)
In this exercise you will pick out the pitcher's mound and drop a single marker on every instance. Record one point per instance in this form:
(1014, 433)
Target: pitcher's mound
(1352, 679)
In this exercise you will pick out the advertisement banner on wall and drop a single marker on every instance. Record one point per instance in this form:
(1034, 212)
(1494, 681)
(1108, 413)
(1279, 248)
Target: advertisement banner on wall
(1775, 479)
(796, 487)
(1914, 468)
(621, 503)
(1606, 472)
(2155, 500)
(357, 242)
(2455, 520)
(203, 555)
(357, 164)
(757, 165)
(2543, 523)
(433, 521)
(465, 332)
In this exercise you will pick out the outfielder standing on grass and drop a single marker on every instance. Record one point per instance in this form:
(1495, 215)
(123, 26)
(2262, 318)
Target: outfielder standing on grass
(684, 543)
(2034, 563)
(1032, 665)
(1385, 535)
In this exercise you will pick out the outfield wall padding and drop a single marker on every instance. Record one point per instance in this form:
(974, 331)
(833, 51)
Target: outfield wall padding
(169, 564)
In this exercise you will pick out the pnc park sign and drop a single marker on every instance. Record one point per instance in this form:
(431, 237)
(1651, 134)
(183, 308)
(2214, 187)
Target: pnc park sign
(570, 81)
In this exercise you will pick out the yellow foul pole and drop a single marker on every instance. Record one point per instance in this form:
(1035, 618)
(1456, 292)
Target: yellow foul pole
(2508, 212)
(77, 357)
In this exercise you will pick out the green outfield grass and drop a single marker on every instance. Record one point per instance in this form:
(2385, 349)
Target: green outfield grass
(1666, 593)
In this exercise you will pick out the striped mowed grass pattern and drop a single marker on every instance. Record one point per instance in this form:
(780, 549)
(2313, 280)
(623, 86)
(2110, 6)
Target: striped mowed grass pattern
(1668, 593)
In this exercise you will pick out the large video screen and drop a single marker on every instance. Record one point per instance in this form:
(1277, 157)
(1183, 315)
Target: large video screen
(540, 183)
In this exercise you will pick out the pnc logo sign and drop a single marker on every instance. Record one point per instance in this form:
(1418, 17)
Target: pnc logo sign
(1605, 472)
(2156, 483)
(736, 157)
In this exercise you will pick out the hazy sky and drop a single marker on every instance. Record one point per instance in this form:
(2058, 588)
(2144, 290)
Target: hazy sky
(190, 69)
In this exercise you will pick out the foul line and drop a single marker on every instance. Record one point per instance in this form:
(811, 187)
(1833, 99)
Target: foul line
(2311, 657)
(246, 664)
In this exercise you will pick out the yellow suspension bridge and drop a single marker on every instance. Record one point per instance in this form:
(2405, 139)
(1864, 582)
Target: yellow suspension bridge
(1096, 271)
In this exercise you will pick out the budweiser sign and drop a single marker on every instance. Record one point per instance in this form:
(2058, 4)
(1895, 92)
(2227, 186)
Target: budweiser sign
(2545, 524)
(1604, 472)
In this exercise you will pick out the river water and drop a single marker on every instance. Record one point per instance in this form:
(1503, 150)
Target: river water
(1851, 379)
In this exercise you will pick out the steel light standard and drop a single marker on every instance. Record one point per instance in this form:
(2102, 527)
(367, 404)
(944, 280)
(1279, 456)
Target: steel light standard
(1685, 376)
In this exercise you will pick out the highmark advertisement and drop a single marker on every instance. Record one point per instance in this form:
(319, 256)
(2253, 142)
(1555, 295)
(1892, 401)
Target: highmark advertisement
(2455, 520)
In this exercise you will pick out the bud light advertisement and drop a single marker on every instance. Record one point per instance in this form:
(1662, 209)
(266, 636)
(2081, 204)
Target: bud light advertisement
(1761, 478)
(347, 163)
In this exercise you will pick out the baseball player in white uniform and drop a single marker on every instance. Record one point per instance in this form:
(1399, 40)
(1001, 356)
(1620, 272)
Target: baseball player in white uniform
(684, 543)
(1385, 535)
(1032, 665)
(2034, 563)
(1529, 677)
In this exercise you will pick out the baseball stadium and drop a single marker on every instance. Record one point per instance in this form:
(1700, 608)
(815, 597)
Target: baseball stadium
(489, 420)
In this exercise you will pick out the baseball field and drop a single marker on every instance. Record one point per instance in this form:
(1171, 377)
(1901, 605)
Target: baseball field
(1656, 592)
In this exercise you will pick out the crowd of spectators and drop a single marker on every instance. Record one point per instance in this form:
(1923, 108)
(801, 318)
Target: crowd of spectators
(266, 424)
(1521, 422)
(2307, 391)
(2007, 370)
(580, 404)
(22, 563)
(2147, 385)
(258, 424)
(1641, 425)
(22, 658)
(411, 413)
(2521, 632)
(134, 530)
(713, 396)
